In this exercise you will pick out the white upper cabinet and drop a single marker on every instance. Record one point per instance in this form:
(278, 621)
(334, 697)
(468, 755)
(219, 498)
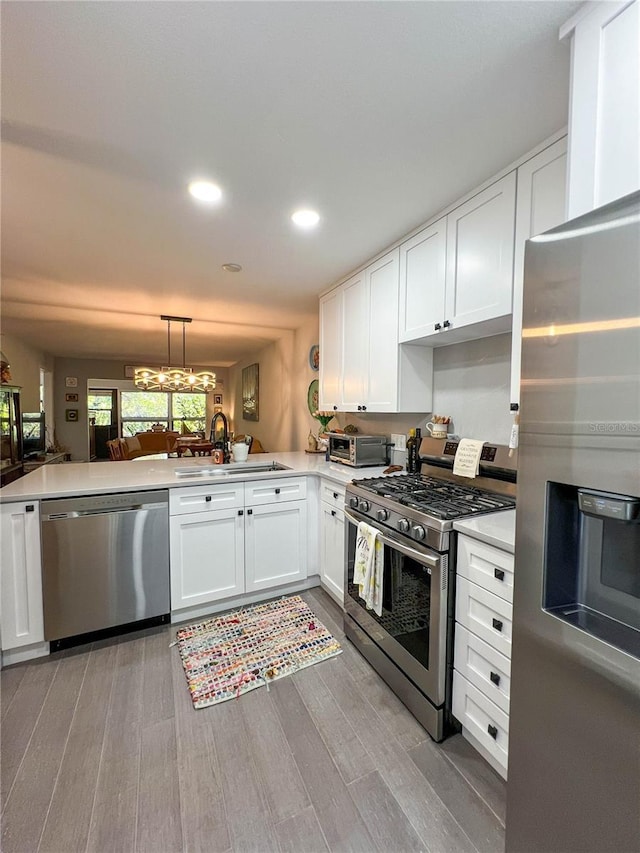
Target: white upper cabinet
(604, 120)
(480, 237)
(422, 281)
(355, 344)
(373, 372)
(381, 374)
(541, 206)
(331, 316)
(456, 276)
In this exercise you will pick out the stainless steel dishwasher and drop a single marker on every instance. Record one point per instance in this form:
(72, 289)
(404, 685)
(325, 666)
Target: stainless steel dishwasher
(105, 564)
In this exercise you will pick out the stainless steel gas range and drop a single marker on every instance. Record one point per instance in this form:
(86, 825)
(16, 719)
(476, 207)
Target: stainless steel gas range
(411, 643)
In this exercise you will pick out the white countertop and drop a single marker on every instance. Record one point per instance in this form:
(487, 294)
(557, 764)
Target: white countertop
(497, 528)
(97, 478)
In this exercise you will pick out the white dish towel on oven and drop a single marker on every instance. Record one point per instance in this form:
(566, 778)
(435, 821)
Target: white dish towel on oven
(368, 570)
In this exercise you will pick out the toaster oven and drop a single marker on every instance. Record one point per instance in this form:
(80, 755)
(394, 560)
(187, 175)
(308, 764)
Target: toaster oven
(357, 450)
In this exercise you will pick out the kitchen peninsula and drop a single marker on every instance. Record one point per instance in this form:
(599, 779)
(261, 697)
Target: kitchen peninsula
(235, 534)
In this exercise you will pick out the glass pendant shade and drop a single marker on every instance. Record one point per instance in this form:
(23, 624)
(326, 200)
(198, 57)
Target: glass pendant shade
(183, 379)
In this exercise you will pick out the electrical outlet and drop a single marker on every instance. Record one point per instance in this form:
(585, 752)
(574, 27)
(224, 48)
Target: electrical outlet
(399, 440)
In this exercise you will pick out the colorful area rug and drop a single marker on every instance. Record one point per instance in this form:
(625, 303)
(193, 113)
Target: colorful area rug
(229, 655)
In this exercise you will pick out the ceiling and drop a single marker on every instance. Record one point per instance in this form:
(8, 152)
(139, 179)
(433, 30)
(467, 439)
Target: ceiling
(377, 114)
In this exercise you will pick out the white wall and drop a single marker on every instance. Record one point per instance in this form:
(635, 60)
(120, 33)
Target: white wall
(276, 403)
(25, 364)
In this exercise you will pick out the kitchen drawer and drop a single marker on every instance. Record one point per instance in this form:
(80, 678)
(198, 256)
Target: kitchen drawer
(483, 666)
(262, 492)
(481, 718)
(206, 498)
(486, 566)
(484, 614)
(332, 494)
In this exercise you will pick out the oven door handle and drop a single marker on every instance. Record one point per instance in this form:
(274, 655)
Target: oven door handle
(422, 557)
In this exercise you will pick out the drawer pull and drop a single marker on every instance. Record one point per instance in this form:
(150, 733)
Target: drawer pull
(249, 512)
(495, 678)
(240, 512)
(30, 508)
(335, 496)
(277, 491)
(493, 731)
(333, 512)
(498, 574)
(497, 624)
(208, 498)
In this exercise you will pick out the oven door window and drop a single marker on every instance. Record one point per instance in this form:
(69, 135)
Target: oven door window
(406, 601)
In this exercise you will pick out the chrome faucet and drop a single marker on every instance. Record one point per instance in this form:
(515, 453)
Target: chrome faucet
(225, 434)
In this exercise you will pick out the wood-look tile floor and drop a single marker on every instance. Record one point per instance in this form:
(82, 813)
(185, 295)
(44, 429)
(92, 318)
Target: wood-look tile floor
(102, 751)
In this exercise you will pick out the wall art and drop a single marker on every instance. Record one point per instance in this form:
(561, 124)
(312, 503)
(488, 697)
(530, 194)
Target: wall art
(251, 392)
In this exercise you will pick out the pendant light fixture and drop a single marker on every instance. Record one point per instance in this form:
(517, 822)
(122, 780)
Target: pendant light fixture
(170, 378)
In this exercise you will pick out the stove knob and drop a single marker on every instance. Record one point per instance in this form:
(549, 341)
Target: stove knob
(353, 503)
(383, 514)
(403, 525)
(363, 506)
(418, 532)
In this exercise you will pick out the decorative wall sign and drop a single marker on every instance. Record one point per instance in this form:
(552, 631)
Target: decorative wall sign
(71, 381)
(250, 392)
(129, 371)
(71, 414)
(71, 398)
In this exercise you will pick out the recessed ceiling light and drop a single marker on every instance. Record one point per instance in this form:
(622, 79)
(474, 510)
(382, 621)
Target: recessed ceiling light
(231, 267)
(305, 218)
(205, 191)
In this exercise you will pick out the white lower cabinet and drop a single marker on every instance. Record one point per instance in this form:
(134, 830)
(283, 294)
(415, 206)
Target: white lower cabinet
(482, 652)
(332, 543)
(275, 545)
(21, 614)
(230, 539)
(207, 556)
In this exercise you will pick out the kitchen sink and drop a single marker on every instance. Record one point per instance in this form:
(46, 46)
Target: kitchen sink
(229, 469)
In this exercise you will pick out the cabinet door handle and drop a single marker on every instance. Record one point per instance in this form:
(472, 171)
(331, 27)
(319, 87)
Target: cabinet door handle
(208, 498)
(249, 512)
(277, 491)
(497, 624)
(493, 731)
(240, 512)
(359, 408)
(498, 574)
(335, 496)
(446, 324)
(30, 508)
(437, 327)
(335, 408)
(333, 512)
(495, 678)
(364, 408)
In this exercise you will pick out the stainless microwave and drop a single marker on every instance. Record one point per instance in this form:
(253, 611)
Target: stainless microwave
(357, 450)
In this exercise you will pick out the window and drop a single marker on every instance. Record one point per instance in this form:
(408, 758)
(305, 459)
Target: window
(181, 412)
(189, 411)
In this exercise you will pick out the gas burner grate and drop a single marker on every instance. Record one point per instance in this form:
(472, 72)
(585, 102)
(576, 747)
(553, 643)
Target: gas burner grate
(438, 498)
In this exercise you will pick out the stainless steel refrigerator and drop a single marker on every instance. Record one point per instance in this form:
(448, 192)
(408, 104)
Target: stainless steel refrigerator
(574, 729)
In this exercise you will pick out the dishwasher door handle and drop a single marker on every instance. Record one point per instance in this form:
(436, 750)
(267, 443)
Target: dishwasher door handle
(85, 513)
